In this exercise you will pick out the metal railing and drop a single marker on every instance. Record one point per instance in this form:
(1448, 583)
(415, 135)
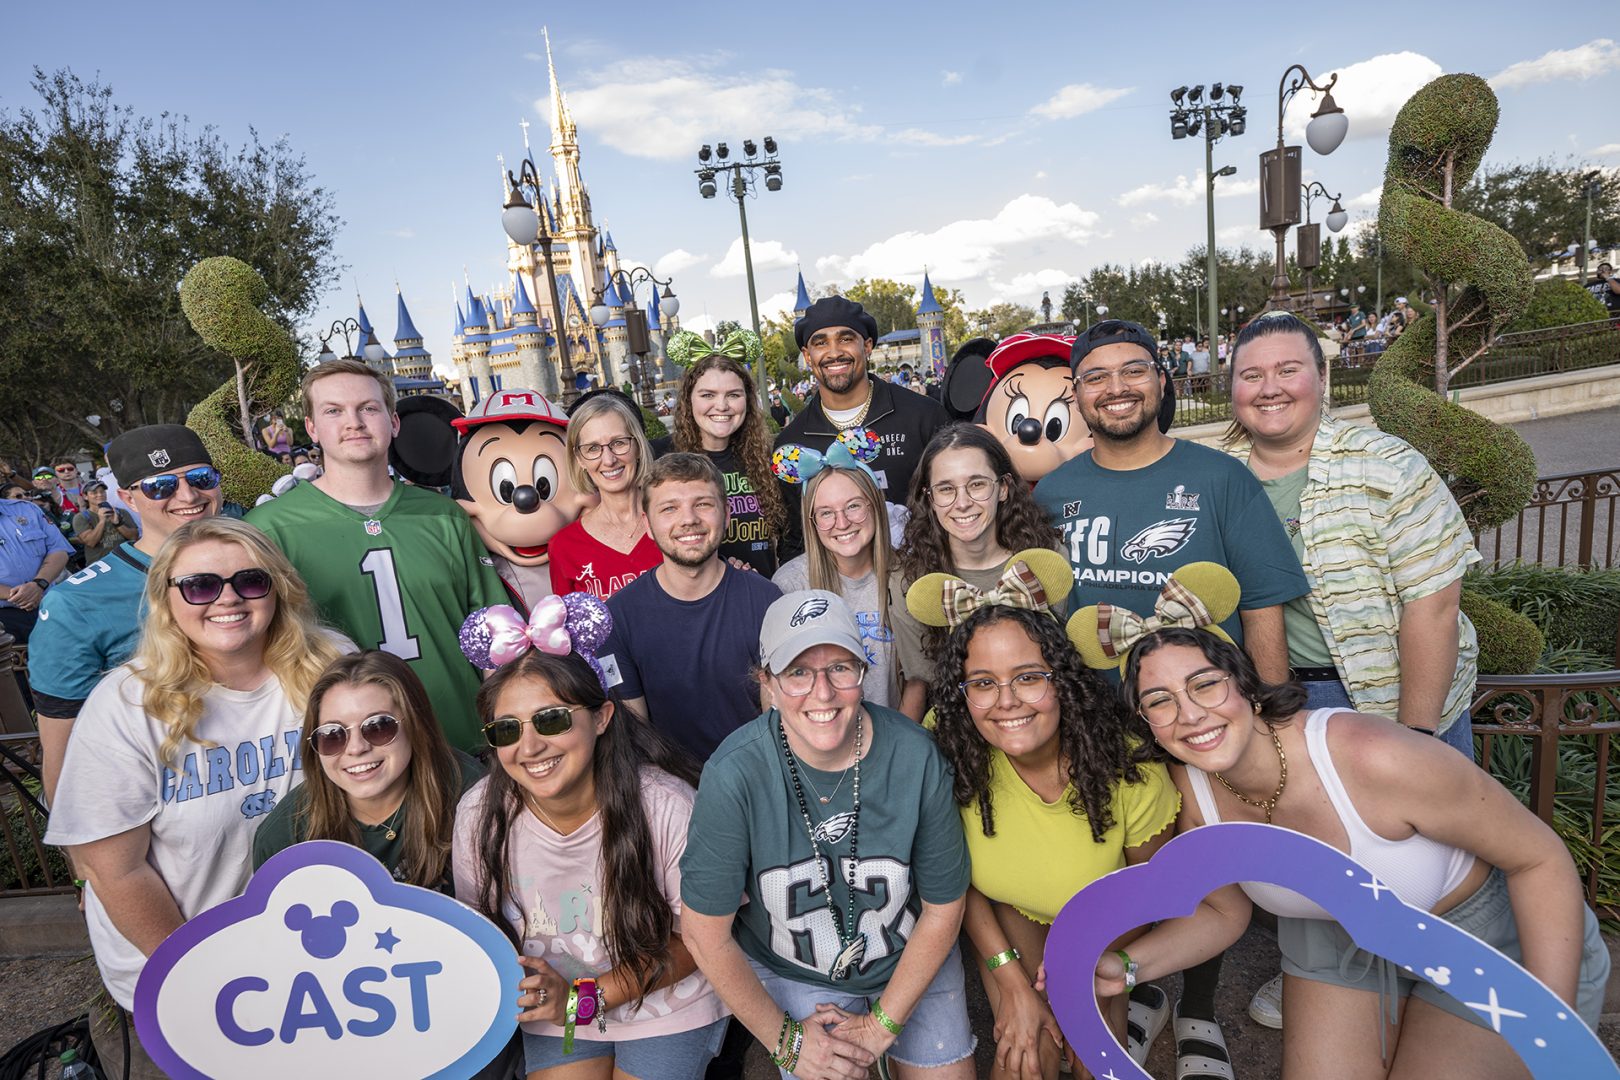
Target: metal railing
(1546, 709)
(1204, 399)
(1569, 521)
(30, 866)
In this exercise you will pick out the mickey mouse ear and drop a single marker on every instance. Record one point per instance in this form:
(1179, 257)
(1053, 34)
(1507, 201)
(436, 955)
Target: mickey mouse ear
(926, 599)
(1213, 584)
(968, 378)
(1082, 631)
(424, 451)
(1053, 570)
(862, 444)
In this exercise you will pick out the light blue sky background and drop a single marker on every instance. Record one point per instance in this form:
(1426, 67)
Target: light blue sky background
(1010, 148)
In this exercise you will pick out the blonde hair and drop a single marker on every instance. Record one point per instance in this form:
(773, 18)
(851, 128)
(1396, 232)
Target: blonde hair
(347, 366)
(589, 410)
(174, 678)
(822, 565)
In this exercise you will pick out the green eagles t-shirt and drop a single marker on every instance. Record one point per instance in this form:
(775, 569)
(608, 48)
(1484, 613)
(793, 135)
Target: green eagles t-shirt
(747, 838)
(285, 826)
(1306, 647)
(1126, 531)
(401, 580)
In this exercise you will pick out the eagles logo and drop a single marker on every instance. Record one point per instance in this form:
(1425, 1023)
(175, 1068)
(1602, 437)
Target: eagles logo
(808, 610)
(834, 828)
(1159, 539)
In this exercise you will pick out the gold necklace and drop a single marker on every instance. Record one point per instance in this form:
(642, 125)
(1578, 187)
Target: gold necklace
(1268, 805)
(859, 417)
(534, 804)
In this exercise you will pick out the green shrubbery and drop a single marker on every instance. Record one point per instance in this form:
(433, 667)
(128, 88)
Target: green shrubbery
(1576, 610)
(1558, 302)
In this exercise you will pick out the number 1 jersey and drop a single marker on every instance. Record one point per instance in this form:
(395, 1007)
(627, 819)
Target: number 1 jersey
(402, 580)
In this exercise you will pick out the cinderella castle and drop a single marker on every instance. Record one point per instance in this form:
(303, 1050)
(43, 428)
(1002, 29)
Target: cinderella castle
(508, 336)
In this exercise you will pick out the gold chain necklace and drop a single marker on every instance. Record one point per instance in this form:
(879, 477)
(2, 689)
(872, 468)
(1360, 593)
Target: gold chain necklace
(1268, 805)
(859, 418)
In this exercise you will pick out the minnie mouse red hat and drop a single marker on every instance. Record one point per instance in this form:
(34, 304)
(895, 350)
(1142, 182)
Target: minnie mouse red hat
(514, 404)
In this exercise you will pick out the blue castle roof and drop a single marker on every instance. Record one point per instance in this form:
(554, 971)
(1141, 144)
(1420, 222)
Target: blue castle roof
(610, 295)
(801, 301)
(461, 320)
(414, 350)
(900, 335)
(407, 330)
(929, 305)
(607, 241)
(523, 306)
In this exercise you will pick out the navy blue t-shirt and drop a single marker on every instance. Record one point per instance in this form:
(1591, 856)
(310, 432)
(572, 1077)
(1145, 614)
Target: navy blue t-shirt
(1126, 531)
(690, 658)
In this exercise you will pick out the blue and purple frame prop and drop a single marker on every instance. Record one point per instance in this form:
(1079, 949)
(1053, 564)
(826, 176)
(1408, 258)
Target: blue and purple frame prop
(1546, 1033)
(327, 966)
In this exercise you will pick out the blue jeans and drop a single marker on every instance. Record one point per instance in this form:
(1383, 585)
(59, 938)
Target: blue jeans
(683, 1055)
(1331, 694)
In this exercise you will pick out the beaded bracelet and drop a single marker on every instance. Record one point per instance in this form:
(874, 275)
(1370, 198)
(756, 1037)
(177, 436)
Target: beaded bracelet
(1005, 957)
(798, 1045)
(782, 1036)
(787, 1056)
(883, 1018)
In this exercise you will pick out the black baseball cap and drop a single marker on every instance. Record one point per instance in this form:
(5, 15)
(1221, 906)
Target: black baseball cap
(1111, 332)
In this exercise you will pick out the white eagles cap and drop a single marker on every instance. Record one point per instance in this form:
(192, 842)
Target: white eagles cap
(802, 620)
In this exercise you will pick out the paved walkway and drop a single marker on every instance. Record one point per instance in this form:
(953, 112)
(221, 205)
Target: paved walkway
(1564, 444)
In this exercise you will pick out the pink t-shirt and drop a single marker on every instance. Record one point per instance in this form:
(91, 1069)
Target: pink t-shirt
(557, 880)
(582, 563)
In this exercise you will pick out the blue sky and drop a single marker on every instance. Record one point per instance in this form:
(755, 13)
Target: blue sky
(1008, 156)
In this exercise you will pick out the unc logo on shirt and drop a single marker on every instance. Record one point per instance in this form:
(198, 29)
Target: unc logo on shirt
(1181, 499)
(258, 804)
(1160, 539)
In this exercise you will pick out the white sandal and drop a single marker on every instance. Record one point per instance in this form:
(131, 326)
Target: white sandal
(1143, 1022)
(1200, 1065)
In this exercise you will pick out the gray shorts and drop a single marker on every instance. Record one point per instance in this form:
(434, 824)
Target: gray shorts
(1321, 950)
(937, 1032)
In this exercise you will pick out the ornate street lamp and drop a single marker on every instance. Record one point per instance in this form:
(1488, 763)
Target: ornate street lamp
(637, 338)
(1280, 183)
(344, 327)
(528, 226)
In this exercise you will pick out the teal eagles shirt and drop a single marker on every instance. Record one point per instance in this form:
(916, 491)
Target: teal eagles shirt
(1126, 532)
(747, 837)
(88, 625)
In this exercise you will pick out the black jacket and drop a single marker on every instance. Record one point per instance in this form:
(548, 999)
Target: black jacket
(903, 420)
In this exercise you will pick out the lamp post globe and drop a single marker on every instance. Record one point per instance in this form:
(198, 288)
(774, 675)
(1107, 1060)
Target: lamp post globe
(669, 302)
(1327, 127)
(1337, 218)
(521, 223)
(1102, 309)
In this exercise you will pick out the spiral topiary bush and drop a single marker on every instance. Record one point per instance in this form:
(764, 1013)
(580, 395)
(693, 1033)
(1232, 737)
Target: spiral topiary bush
(1435, 146)
(221, 298)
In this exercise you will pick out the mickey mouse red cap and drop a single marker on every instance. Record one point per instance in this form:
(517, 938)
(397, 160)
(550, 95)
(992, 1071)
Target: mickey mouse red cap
(514, 404)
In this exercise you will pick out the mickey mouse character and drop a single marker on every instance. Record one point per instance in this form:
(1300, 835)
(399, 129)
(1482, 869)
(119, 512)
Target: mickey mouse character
(508, 469)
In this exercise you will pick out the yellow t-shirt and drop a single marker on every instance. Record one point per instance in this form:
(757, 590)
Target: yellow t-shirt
(1042, 853)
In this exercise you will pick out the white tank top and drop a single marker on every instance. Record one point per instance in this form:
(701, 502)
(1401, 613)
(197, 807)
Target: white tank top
(1421, 871)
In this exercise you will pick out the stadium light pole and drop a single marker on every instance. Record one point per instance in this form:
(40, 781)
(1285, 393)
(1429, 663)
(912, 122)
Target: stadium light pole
(712, 162)
(1217, 116)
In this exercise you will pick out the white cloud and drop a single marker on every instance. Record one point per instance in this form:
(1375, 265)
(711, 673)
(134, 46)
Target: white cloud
(665, 108)
(918, 137)
(776, 304)
(699, 323)
(1146, 217)
(1040, 174)
(966, 249)
(403, 234)
(1582, 62)
(1186, 191)
(675, 261)
(767, 255)
(1607, 150)
(950, 78)
(1370, 92)
(1027, 288)
(1367, 200)
(1077, 99)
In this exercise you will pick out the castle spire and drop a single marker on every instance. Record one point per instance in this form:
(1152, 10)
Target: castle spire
(562, 122)
(929, 302)
(801, 302)
(407, 329)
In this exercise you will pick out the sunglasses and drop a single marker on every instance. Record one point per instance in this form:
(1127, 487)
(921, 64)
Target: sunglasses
(162, 486)
(200, 589)
(330, 740)
(548, 722)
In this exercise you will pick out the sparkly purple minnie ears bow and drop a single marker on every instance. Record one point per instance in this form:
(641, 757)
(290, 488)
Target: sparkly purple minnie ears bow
(559, 625)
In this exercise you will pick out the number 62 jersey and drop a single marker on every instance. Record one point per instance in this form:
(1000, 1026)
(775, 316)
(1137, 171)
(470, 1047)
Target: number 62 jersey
(401, 579)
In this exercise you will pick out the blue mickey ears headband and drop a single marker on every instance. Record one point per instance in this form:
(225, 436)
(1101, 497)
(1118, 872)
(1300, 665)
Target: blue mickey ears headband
(854, 447)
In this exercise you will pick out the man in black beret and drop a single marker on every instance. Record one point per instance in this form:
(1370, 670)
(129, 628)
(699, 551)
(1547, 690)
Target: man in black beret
(835, 337)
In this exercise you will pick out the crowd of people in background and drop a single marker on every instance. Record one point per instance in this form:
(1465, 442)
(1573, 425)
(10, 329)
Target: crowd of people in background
(813, 739)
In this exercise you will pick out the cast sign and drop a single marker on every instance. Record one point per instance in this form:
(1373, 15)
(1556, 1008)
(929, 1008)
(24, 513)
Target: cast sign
(327, 966)
(1548, 1035)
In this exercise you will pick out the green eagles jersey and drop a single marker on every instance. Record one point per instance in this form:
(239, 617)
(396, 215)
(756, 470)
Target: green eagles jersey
(401, 580)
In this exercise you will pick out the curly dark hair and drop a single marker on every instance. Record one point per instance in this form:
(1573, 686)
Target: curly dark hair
(637, 919)
(752, 442)
(1020, 523)
(1278, 702)
(1093, 724)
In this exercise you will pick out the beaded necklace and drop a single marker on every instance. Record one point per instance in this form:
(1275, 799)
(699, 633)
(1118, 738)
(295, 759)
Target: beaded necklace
(854, 943)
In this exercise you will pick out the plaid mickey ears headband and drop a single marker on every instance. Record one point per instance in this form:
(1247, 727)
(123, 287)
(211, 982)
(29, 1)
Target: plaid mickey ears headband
(1198, 596)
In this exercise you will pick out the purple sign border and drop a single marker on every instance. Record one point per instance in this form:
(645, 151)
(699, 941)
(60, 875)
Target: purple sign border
(1547, 1034)
(383, 888)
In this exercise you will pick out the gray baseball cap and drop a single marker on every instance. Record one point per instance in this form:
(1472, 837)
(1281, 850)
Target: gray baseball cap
(802, 620)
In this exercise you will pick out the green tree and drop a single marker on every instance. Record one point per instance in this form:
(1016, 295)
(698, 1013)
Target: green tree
(1540, 204)
(105, 211)
(725, 327)
(892, 303)
(1003, 319)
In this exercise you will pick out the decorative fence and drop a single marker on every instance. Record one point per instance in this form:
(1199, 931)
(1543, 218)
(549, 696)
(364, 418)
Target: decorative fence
(1569, 521)
(29, 867)
(1204, 399)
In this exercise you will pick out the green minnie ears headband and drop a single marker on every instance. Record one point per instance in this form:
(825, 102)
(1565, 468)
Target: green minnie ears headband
(854, 447)
(686, 348)
(1033, 579)
(1198, 596)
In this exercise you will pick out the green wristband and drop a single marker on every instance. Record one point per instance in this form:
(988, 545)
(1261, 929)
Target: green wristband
(1130, 968)
(883, 1018)
(1005, 957)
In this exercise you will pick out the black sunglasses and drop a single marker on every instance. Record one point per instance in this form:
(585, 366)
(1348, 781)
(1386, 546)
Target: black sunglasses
(330, 740)
(200, 589)
(164, 485)
(548, 722)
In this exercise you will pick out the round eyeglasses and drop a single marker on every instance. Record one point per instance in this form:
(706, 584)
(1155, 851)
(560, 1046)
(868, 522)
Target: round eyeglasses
(1206, 689)
(798, 681)
(1028, 687)
(330, 740)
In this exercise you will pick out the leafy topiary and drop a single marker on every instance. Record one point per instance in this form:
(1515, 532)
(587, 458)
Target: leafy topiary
(1480, 282)
(1559, 302)
(651, 425)
(221, 298)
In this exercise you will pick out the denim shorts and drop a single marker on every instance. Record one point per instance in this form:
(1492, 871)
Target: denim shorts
(683, 1055)
(1330, 693)
(936, 1033)
(1321, 950)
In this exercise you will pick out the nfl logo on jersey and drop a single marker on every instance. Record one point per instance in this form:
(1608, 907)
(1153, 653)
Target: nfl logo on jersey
(373, 528)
